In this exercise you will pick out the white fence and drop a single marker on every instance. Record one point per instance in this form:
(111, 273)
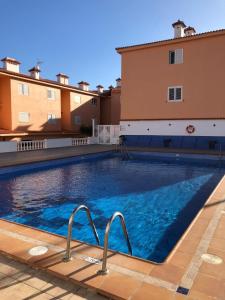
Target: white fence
(104, 134)
(80, 141)
(108, 134)
(19, 146)
(30, 145)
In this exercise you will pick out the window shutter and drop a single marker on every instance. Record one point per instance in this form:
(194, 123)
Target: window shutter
(178, 56)
(25, 89)
(20, 89)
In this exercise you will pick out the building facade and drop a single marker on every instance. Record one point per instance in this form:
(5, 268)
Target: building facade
(173, 92)
(110, 104)
(32, 107)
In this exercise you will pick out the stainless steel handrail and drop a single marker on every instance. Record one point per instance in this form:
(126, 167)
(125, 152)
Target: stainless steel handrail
(104, 269)
(67, 256)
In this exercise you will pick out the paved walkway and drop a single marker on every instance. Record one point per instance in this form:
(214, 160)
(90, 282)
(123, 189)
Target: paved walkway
(9, 159)
(18, 281)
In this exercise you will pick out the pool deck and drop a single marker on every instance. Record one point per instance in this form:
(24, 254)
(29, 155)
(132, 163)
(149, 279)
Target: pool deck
(131, 278)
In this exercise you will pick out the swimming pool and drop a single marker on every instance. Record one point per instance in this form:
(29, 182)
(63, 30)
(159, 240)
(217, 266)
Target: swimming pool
(159, 196)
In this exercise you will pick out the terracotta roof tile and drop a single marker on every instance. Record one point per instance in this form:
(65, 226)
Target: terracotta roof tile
(180, 39)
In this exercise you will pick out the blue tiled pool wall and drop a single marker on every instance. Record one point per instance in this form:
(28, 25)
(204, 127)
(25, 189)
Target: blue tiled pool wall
(180, 142)
(178, 158)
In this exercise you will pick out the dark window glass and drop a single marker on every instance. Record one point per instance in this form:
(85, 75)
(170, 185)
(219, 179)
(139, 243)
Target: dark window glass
(172, 57)
(171, 94)
(178, 93)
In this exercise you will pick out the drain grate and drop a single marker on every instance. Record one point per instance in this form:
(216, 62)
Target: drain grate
(182, 290)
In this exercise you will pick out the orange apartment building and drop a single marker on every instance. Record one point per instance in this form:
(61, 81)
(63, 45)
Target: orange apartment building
(173, 91)
(32, 107)
(110, 104)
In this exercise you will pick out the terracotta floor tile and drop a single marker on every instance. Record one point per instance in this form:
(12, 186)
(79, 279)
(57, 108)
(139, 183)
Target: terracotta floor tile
(208, 212)
(7, 282)
(131, 263)
(198, 229)
(88, 276)
(18, 291)
(188, 246)
(69, 268)
(11, 268)
(147, 291)
(89, 251)
(195, 295)
(168, 272)
(180, 259)
(209, 286)
(59, 288)
(217, 252)
(216, 271)
(218, 243)
(119, 286)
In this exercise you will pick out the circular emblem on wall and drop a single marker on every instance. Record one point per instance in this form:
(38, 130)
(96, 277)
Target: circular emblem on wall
(190, 129)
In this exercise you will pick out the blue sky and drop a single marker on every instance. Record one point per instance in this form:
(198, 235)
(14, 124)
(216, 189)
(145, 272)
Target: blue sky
(79, 37)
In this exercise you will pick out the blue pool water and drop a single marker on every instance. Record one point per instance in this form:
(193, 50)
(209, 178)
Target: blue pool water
(159, 198)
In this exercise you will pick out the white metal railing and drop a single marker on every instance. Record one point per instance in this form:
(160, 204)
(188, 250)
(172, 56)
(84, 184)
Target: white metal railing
(108, 134)
(31, 145)
(80, 141)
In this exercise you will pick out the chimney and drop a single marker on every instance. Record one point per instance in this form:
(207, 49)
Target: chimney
(100, 88)
(62, 78)
(84, 85)
(188, 31)
(111, 87)
(179, 27)
(11, 64)
(35, 72)
(118, 82)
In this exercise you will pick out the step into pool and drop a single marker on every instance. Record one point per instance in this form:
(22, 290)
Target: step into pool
(159, 196)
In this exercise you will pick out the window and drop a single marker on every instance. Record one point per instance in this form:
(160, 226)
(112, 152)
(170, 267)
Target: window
(77, 120)
(23, 89)
(77, 99)
(176, 56)
(51, 119)
(175, 93)
(24, 117)
(94, 101)
(51, 94)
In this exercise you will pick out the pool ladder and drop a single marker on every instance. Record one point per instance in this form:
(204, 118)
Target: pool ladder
(124, 152)
(67, 256)
(104, 269)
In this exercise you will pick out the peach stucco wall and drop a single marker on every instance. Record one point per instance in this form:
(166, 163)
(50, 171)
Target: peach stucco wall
(147, 74)
(37, 105)
(5, 104)
(84, 109)
(110, 107)
(78, 104)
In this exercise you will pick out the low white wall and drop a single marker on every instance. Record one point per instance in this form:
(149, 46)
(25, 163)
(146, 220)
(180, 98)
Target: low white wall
(173, 127)
(8, 147)
(57, 143)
